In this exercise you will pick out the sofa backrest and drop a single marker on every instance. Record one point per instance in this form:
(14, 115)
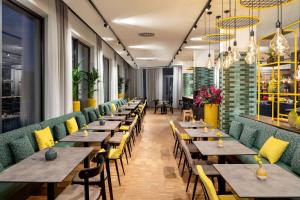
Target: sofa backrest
(6, 157)
(265, 131)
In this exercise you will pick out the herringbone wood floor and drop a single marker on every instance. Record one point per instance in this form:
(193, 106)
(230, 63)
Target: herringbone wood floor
(152, 172)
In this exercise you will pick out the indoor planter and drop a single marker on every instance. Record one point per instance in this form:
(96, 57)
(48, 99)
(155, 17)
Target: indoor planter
(91, 79)
(210, 97)
(261, 172)
(121, 82)
(77, 77)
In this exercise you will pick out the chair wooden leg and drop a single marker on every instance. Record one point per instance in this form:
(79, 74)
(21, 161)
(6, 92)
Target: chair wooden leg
(102, 186)
(180, 158)
(125, 151)
(175, 146)
(117, 169)
(177, 150)
(189, 179)
(195, 186)
(183, 167)
(121, 160)
(129, 149)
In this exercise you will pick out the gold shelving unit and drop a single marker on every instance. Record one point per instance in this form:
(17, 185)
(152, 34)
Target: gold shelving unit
(276, 66)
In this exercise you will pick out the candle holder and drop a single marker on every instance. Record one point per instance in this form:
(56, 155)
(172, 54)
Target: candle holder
(220, 142)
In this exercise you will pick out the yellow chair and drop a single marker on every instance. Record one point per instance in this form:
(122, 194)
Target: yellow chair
(183, 136)
(126, 127)
(210, 190)
(117, 153)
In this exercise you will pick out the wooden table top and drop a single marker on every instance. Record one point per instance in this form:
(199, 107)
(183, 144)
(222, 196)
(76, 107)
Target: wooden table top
(199, 133)
(91, 137)
(114, 118)
(196, 124)
(242, 179)
(108, 126)
(210, 148)
(123, 112)
(35, 169)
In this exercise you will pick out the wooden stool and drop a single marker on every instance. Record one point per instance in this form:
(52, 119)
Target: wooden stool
(187, 114)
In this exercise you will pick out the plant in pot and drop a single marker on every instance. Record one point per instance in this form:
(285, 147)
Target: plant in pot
(101, 120)
(91, 79)
(261, 172)
(121, 82)
(77, 77)
(210, 97)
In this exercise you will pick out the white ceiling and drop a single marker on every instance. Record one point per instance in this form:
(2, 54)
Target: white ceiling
(170, 20)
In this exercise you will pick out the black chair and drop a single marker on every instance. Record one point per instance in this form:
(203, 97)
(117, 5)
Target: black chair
(156, 101)
(85, 190)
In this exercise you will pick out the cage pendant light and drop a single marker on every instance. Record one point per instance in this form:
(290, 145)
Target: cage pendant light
(279, 43)
(210, 62)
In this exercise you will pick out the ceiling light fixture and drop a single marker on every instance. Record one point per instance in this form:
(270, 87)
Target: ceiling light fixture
(196, 39)
(236, 56)
(210, 63)
(252, 47)
(195, 27)
(106, 25)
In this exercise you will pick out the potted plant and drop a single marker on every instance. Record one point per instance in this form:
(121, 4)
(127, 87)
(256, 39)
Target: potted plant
(101, 121)
(77, 77)
(91, 79)
(121, 82)
(85, 132)
(210, 97)
(261, 172)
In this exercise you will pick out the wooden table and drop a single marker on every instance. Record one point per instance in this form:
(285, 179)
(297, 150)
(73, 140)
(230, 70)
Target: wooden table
(199, 133)
(123, 112)
(197, 124)
(210, 148)
(108, 126)
(35, 169)
(242, 179)
(114, 117)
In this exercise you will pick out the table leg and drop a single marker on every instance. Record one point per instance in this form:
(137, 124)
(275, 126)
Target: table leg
(50, 191)
(221, 181)
(112, 132)
(86, 162)
(103, 192)
(109, 179)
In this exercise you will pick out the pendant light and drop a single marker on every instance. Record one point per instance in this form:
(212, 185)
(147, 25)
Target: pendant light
(210, 63)
(236, 56)
(252, 47)
(279, 43)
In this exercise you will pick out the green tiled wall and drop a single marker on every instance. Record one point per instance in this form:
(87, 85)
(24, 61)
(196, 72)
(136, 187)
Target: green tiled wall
(239, 92)
(203, 77)
(188, 84)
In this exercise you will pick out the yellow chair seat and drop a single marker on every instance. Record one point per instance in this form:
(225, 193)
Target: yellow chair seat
(230, 197)
(124, 128)
(113, 153)
(185, 136)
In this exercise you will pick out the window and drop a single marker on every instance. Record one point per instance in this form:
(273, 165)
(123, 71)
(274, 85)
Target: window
(106, 78)
(81, 57)
(22, 44)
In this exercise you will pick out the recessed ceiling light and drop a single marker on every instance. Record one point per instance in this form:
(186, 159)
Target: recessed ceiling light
(108, 39)
(146, 34)
(147, 58)
(196, 39)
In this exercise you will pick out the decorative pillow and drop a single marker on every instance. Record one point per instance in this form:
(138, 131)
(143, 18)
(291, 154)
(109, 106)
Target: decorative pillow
(273, 149)
(1, 167)
(113, 108)
(44, 138)
(92, 116)
(235, 129)
(296, 161)
(59, 131)
(80, 120)
(21, 148)
(72, 126)
(97, 113)
(248, 136)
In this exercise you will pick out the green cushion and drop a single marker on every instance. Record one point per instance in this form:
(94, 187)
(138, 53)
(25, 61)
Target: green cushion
(248, 136)
(248, 159)
(295, 164)
(9, 191)
(80, 119)
(59, 131)
(101, 109)
(293, 139)
(235, 129)
(21, 148)
(286, 167)
(92, 116)
(97, 113)
(106, 110)
(66, 144)
(1, 167)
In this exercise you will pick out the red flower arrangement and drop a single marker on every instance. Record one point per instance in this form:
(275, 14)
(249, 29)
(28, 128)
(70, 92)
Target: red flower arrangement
(208, 95)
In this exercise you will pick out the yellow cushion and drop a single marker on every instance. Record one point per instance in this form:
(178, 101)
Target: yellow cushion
(44, 138)
(113, 108)
(209, 186)
(72, 125)
(124, 128)
(185, 136)
(230, 197)
(273, 149)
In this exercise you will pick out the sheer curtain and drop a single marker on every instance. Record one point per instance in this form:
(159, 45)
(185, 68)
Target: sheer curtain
(177, 85)
(100, 88)
(114, 79)
(154, 84)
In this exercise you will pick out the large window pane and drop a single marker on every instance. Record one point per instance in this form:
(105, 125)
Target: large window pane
(21, 95)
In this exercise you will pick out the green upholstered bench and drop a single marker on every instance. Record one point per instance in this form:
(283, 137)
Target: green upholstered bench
(290, 158)
(105, 108)
(23, 190)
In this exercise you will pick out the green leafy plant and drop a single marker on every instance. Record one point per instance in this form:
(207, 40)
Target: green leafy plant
(77, 76)
(258, 160)
(121, 82)
(91, 79)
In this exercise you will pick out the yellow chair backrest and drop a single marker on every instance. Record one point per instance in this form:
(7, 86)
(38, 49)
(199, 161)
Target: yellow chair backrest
(135, 119)
(113, 108)
(172, 125)
(209, 186)
(123, 141)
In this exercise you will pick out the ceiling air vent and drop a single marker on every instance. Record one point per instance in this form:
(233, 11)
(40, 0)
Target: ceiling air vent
(146, 34)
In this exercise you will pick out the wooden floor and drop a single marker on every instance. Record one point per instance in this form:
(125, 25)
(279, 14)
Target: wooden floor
(152, 172)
